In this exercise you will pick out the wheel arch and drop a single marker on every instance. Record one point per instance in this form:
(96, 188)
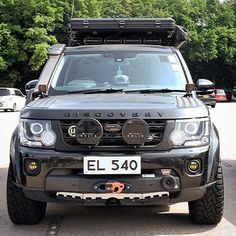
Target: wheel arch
(15, 157)
(214, 154)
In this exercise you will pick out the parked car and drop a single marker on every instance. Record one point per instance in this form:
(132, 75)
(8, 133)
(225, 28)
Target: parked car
(220, 95)
(208, 99)
(11, 99)
(233, 96)
(228, 93)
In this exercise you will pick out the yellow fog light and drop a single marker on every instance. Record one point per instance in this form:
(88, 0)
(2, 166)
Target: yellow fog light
(32, 167)
(193, 166)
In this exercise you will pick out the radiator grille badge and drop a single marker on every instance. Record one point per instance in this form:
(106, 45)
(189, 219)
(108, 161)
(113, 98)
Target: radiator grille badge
(72, 130)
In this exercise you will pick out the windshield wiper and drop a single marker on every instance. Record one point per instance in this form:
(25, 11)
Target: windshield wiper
(165, 90)
(113, 90)
(90, 91)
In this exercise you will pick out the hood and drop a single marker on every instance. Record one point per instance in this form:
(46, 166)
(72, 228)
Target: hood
(119, 106)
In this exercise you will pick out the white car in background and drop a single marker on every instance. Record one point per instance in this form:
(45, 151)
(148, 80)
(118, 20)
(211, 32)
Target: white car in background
(11, 99)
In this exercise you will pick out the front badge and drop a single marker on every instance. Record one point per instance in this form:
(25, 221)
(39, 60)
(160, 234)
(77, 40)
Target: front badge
(72, 130)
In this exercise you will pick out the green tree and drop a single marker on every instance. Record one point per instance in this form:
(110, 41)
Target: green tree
(29, 27)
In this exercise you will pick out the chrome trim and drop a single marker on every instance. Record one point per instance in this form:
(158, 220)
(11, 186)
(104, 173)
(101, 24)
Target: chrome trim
(105, 196)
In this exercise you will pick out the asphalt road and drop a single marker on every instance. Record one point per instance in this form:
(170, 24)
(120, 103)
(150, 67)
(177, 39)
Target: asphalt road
(143, 221)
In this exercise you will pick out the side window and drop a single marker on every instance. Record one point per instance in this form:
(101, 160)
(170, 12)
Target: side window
(20, 93)
(17, 93)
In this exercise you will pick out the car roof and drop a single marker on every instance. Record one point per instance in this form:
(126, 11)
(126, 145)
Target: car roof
(11, 89)
(118, 47)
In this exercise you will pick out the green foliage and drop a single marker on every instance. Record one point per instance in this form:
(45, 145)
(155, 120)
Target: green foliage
(226, 46)
(29, 27)
(115, 8)
(8, 47)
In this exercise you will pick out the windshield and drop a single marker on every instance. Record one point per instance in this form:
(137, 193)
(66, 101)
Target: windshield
(118, 70)
(220, 92)
(4, 92)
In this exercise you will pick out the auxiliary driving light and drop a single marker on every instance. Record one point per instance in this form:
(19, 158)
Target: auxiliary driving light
(193, 166)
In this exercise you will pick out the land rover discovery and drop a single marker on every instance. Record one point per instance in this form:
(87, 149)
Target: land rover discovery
(115, 120)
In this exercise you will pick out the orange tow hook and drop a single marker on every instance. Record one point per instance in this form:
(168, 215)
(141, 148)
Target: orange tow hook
(115, 187)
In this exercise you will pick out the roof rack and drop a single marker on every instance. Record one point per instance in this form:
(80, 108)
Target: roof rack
(160, 31)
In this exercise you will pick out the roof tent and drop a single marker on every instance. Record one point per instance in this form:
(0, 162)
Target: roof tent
(159, 31)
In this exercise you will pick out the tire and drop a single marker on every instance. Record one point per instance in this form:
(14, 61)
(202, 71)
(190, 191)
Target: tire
(21, 209)
(209, 209)
(14, 107)
(5, 110)
(213, 105)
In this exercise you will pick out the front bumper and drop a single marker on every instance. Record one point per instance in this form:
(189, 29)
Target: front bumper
(63, 173)
(156, 198)
(5, 105)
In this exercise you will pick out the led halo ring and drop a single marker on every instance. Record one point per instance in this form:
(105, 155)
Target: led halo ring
(35, 125)
(192, 126)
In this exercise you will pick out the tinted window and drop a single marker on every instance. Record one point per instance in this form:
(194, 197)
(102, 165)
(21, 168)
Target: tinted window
(127, 70)
(18, 93)
(4, 92)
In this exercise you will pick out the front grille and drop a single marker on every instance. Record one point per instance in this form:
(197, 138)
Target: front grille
(156, 129)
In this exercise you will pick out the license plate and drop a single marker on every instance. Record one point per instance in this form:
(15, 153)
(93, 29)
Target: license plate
(112, 165)
(206, 96)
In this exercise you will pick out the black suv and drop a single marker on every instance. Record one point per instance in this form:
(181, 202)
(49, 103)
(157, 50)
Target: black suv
(116, 121)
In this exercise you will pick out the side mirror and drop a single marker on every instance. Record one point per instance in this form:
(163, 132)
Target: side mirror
(30, 85)
(204, 85)
(205, 92)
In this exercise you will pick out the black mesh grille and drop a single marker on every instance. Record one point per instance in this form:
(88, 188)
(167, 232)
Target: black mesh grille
(156, 128)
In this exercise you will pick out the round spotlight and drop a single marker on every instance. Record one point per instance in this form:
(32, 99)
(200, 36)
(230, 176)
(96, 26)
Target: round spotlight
(89, 131)
(193, 166)
(135, 131)
(48, 138)
(177, 137)
(36, 128)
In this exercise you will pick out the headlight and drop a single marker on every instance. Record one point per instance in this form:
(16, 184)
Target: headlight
(36, 133)
(190, 133)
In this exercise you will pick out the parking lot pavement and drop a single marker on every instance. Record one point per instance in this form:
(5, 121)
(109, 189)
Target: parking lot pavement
(224, 117)
(142, 221)
(8, 122)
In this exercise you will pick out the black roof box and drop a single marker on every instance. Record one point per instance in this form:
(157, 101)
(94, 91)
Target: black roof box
(162, 31)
